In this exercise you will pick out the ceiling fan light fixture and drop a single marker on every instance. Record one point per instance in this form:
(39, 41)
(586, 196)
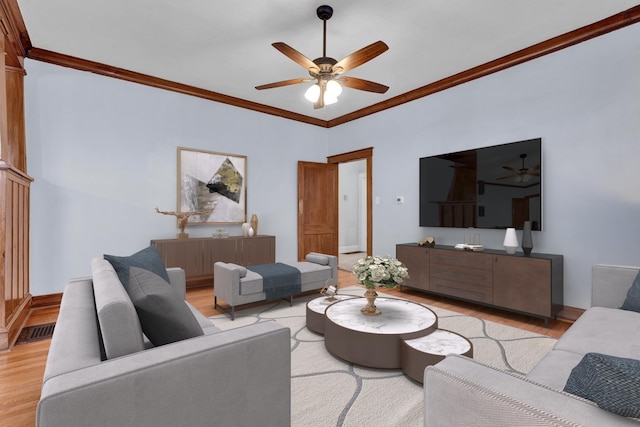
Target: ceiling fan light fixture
(325, 70)
(328, 99)
(334, 89)
(313, 93)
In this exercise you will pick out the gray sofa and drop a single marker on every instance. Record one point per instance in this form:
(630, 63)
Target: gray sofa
(236, 285)
(461, 392)
(240, 377)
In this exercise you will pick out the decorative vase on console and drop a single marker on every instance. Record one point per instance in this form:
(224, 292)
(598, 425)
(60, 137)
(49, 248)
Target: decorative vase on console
(527, 242)
(374, 271)
(254, 224)
(510, 241)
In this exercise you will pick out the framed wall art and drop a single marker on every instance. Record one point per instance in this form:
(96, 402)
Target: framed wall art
(213, 186)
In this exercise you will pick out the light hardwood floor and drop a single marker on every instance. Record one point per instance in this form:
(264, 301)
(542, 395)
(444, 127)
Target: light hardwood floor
(22, 369)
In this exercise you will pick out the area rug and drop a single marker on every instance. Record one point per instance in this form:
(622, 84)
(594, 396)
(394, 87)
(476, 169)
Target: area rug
(327, 391)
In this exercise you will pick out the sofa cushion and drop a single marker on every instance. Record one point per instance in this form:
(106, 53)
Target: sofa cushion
(311, 272)
(148, 258)
(611, 382)
(632, 301)
(119, 325)
(165, 318)
(554, 368)
(251, 283)
(603, 330)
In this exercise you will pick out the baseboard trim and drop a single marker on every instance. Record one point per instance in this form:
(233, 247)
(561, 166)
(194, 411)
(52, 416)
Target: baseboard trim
(40, 301)
(9, 334)
(570, 314)
(349, 249)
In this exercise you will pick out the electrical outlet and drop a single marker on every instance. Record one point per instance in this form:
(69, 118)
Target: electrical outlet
(400, 200)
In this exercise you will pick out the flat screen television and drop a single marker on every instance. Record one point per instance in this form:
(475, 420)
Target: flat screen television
(490, 187)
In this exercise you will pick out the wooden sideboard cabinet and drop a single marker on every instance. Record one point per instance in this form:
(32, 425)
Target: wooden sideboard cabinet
(461, 274)
(416, 259)
(197, 255)
(531, 285)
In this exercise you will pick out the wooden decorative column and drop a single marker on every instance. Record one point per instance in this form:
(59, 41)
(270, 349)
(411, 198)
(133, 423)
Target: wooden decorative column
(15, 297)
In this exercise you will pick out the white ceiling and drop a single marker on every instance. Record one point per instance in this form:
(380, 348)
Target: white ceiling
(225, 46)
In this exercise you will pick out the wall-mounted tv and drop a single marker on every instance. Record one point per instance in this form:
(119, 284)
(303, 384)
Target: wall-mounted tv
(491, 187)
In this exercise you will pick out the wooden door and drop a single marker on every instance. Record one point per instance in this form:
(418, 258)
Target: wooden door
(317, 208)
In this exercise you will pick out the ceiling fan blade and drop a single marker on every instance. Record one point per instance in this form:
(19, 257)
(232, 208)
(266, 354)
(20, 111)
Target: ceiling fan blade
(359, 57)
(510, 169)
(296, 56)
(361, 84)
(283, 83)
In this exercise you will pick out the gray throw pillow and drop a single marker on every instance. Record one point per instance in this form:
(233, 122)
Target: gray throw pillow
(149, 258)
(613, 383)
(164, 316)
(632, 301)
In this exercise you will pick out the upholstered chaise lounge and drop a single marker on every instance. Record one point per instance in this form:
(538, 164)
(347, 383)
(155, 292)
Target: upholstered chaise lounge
(237, 285)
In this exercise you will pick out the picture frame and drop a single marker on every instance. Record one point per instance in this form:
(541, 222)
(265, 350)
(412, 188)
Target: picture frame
(212, 185)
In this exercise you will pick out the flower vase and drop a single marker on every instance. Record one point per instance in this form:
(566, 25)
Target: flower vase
(370, 309)
(254, 223)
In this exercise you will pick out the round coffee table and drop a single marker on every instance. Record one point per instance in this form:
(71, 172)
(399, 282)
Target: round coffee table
(316, 308)
(375, 341)
(418, 353)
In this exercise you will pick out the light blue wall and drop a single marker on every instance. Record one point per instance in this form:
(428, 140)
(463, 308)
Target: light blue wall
(103, 155)
(584, 102)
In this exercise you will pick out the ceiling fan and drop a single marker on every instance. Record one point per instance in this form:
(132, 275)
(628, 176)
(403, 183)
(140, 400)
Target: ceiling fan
(327, 71)
(523, 174)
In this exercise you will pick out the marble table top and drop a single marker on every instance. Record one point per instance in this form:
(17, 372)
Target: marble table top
(320, 304)
(441, 342)
(397, 317)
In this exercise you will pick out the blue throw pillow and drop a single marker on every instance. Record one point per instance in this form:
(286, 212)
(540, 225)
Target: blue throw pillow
(164, 316)
(613, 383)
(148, 258)
(632, 302)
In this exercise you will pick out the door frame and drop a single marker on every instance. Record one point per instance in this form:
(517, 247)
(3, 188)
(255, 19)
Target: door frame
(363, 154)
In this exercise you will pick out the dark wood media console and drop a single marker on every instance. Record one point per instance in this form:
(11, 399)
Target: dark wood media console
(531, 285)
(197, 255)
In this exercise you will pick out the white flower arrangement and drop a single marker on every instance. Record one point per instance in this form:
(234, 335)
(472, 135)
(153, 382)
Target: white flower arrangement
(384, 271)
